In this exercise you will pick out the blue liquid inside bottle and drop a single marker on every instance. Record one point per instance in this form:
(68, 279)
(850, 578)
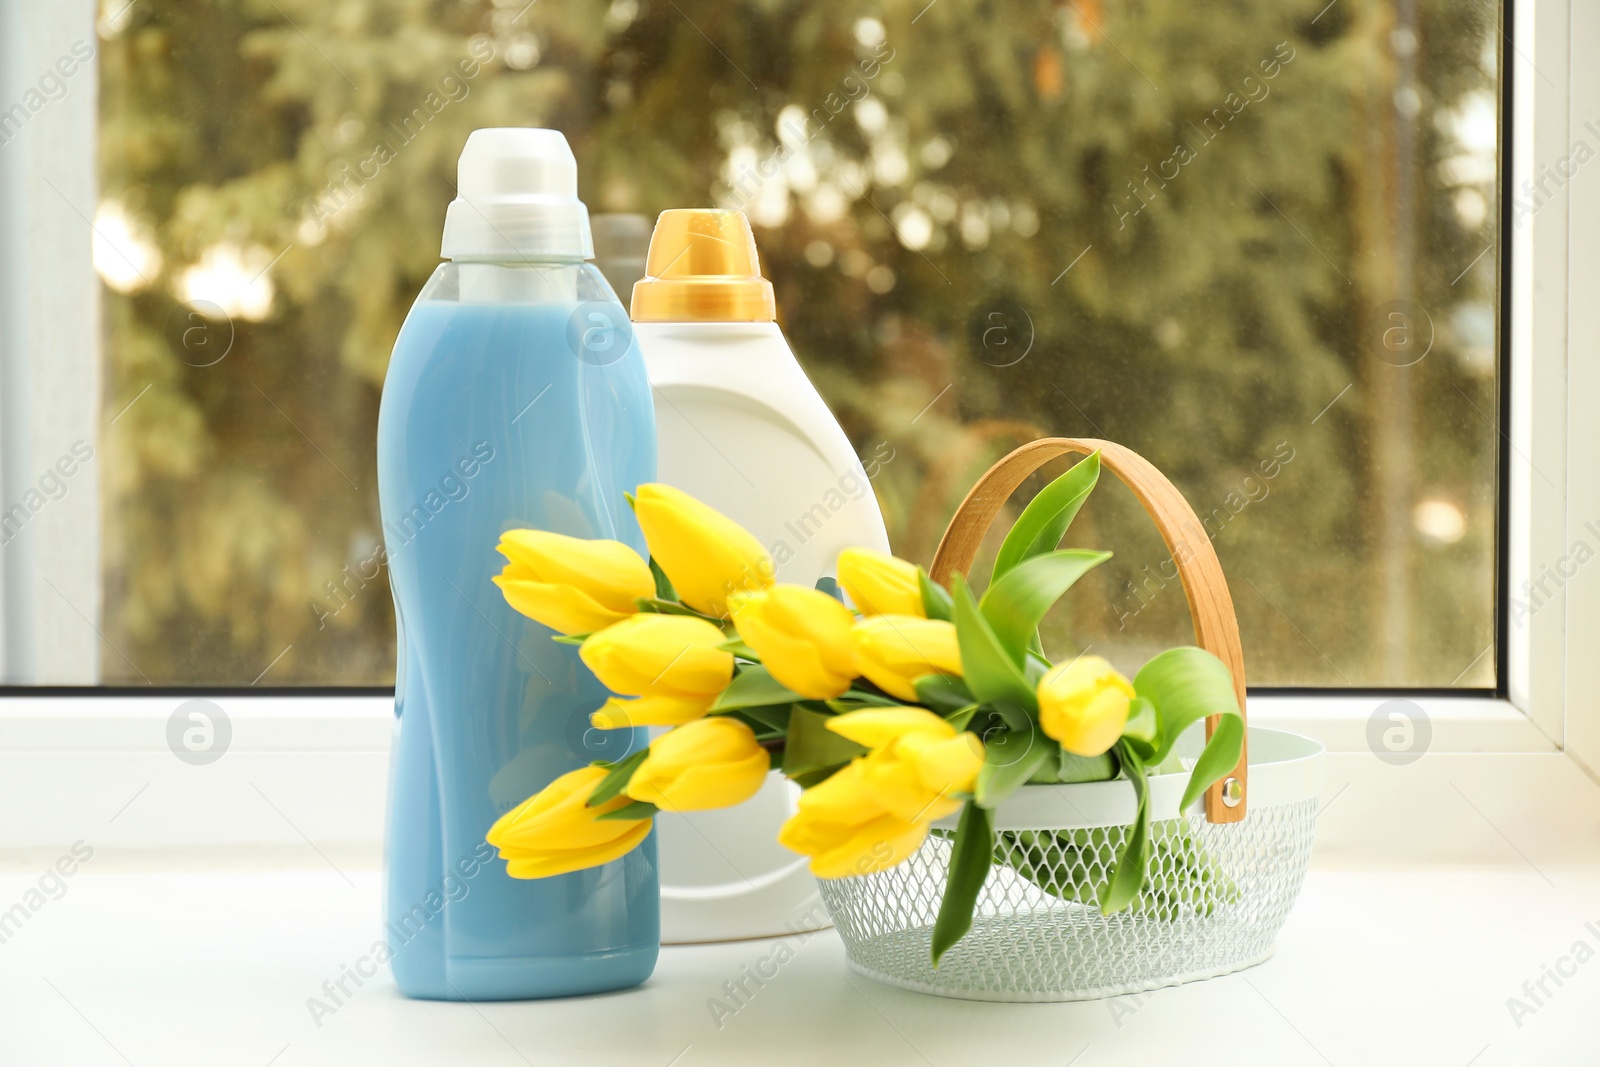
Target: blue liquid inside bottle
(514, 398)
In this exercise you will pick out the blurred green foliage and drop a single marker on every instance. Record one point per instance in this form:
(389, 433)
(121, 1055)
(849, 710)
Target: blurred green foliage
(986, 221)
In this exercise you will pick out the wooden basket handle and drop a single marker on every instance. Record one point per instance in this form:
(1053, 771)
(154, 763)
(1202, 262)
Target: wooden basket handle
(1216, 628)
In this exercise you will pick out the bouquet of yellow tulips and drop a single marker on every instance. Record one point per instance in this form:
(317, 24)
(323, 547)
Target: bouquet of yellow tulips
(893, 702)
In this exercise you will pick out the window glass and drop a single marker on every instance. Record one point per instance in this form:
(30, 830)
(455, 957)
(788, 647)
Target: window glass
(1259, 247)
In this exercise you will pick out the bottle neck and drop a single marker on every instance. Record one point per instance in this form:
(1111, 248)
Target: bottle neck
(498, 282)
(517, 230)
(535, 261)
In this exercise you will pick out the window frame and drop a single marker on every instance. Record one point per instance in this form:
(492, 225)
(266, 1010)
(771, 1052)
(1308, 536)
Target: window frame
(330, 746)
(49, 310)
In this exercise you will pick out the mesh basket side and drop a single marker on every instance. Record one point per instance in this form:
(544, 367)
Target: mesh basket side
(1216, 897)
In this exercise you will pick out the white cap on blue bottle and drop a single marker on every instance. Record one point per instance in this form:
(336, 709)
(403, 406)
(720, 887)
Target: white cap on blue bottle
(517, 199)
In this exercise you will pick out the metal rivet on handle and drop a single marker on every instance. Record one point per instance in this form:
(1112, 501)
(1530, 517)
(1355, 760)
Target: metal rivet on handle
(1232, 792)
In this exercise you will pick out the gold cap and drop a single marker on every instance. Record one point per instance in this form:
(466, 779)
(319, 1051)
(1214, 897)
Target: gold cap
(702, 267)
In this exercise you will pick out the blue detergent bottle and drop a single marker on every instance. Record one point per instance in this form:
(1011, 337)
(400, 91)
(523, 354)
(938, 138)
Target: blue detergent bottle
(515, 397)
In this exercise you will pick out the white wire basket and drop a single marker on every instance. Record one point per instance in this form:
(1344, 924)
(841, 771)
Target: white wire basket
(1218, 892)
(1223, 874)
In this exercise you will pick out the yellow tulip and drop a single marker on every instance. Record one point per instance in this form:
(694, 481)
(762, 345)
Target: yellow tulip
(917, 763)
(802, 636)
(880, 585)
(875, 812)
(713, 762)
(571, 585)
(1084, 705)
(842, 830)
(670, 663)
(881, 727)
(893, 651)
(706, 555)
(554, 831)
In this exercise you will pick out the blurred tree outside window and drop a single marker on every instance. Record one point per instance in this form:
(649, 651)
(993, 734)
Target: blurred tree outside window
(1257, 242)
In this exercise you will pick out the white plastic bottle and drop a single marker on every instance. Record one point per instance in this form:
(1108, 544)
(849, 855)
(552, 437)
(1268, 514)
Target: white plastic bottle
(741, 427)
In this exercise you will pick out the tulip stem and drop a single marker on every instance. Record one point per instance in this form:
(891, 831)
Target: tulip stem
(617, 775)
(633, 811)
(672, 607)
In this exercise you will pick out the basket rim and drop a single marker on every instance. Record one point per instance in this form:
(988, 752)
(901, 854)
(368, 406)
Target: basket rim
(1285, 768)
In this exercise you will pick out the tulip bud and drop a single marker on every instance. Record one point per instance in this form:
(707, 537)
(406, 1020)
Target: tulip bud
(875, 812)
(918, 764)
(843, 830)
(671, 663)
(893, 651)
(1084, 705)
(706, 555)
(877, 728)
(802, 636)
(571, 585)
(713, 762)
(880, 585)
(555, 831)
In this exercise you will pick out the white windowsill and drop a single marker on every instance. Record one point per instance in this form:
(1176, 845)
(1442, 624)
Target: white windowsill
(1459, 724)
(1375, 966)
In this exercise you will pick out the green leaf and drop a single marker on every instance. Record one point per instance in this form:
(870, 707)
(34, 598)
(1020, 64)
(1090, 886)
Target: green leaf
(616, 778)
(740, 649)
(1127, 880)
(1010, 758)
(991, 674)
(1142, 727)
(970, 858)
(664, 590)
(1049, 773)
(1061, 862)
(570, 639)
(935, 597)
(1142, 724)
(941, 692)
(855, 698)
(1217, 759)
(638, 809)
(1064, 768)
(1074, 768)
(754, 687)
(1043, 523)
(811, 746)
(1185, 685)
(962, 716)
(1018, 600)
(1064, 863)
(863, 690)
(772, 718)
